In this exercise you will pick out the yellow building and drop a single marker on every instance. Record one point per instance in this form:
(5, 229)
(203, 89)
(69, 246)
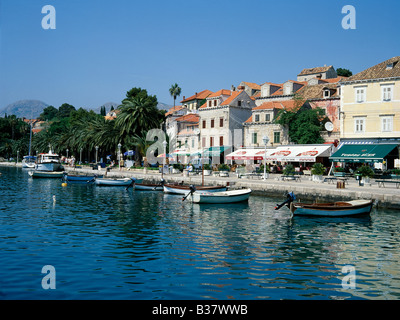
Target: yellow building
(370, 103)
(370, 112)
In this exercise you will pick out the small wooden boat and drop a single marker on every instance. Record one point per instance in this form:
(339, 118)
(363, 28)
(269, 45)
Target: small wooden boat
(331, 209)
(124, 182)
(231, 196)
(184, 189)
(81, 178)
(46, 174)
(148, 187)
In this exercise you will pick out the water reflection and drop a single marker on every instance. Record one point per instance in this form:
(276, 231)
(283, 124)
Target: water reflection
(149, 245)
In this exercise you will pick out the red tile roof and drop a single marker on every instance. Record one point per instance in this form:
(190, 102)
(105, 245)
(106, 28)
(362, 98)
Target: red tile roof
(287, 104)
(200, 96)
(190, 117)
(231, 98)
(221, 92)
(173, 109)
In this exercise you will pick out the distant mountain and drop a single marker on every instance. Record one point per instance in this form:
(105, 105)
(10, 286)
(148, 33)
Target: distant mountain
(24, 109)
(33, 108)
(163, 106)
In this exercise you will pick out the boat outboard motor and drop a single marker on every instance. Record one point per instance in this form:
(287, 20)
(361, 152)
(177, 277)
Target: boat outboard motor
(290, 198)
(192, 189)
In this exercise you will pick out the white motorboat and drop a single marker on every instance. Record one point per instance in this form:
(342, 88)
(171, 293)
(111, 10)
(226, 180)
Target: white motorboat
(48, 162)
(231, 196)
(148, 187)
(46, 174)
(123, 182)
(29, 162)
(184, 189)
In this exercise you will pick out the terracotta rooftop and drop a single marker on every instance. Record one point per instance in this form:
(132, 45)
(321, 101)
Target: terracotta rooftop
(252, 85)
(221, 92)
(231, 98)
(173, 109)
(386, 69)
(190, 117)
(317, 91)
(287, 104)
(200, 96)
(314, 70)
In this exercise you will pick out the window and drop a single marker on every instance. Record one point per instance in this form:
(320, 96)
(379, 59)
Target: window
(192, 143)
(387, 124)
(359, 124)
(203, 142)
(327, 93)
(360, 94)
(210, 103)
(204, 124)
(254, 137)
(277, 137)
(257, 118)
(387, 93)
(221, 122)
(211, 141)
(212, 123)
(267, 117)
(239, 103)
(221, 140)
(215, 103)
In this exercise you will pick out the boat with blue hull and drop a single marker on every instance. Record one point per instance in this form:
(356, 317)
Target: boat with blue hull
(329, 209)
(81, 178)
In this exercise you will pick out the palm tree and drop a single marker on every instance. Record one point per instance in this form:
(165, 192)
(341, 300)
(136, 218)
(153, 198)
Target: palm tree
(175, 91)
(136, 115)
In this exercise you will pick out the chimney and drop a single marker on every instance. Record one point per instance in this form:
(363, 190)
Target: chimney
(184, 97)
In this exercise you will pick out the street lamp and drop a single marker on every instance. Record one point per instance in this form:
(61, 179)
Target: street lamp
(97, 149)
(165, 157)
(265, 140)
(119, 155)
(80, 156)
(17, 155)
(67, 153)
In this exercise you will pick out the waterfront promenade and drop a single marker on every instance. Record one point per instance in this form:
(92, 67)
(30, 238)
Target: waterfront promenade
(305, 190)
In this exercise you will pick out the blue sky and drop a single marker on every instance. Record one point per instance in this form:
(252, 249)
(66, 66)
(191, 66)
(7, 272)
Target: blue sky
(101, 49)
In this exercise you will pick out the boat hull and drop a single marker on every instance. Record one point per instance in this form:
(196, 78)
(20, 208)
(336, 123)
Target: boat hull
(355, 207)
(176, 189)
(113, 182)
(48, 167)
(232, 196)
(44, 174)
(148, 187)
(81, 179)
(29, 165)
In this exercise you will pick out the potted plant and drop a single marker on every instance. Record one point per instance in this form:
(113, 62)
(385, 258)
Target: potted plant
(267, 171)
(395, 173)
(207, 169)
(223, 170)
(366, 173)
(289, 170)
(317, 170)
(339, 172)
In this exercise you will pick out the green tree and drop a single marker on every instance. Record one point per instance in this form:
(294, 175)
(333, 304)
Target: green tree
(303, 123)
(344, 72)
(48, 113)
(64, 111)
(175, 91)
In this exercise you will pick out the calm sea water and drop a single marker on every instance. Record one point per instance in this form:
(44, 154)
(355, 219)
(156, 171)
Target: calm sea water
(107, 243)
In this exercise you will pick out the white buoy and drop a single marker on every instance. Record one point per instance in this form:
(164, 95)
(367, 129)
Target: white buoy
(54, 198)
